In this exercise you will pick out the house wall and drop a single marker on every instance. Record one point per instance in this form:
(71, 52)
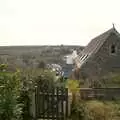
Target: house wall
(103, 62)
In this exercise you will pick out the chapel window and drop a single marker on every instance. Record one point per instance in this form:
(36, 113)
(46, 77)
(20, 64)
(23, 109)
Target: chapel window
(113, 49)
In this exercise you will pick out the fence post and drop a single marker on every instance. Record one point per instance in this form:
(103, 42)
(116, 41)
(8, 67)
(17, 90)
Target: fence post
(32, 106)
(69, 103)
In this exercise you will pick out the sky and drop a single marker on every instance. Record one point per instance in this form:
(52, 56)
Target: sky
(56, 22)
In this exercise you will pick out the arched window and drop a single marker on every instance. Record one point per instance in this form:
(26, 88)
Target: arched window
(113, 49)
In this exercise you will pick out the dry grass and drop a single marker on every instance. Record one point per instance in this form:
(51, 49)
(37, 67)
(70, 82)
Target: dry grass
(99, 111)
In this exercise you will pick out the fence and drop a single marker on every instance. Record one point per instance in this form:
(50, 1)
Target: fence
(51, 104)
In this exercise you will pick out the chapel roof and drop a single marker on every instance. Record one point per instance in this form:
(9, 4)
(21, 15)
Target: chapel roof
(94, 45)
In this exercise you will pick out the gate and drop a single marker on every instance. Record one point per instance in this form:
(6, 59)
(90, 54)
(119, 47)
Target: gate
(51, 104)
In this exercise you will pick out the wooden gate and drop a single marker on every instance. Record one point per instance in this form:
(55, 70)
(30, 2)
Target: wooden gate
(51, 104)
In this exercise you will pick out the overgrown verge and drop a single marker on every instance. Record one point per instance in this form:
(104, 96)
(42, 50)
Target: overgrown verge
(96, 110)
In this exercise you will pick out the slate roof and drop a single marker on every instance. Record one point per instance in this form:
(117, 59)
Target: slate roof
(94, 46)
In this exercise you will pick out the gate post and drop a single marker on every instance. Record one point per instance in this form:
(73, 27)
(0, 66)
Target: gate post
(32, 106)
(69, 103)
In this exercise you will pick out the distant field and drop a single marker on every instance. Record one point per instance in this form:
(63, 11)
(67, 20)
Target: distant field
(32, 55)
(34, 49)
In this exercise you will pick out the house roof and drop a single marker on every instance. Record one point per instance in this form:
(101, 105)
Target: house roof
(94, 46)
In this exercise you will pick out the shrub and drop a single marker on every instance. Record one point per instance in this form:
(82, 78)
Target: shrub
(98, 111)
(30, 79)
(25, 100)
(73, 87)
(79, 111)
(92, 110)
(10, 86)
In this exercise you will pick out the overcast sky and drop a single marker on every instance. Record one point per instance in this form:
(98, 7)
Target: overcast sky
(55, 22)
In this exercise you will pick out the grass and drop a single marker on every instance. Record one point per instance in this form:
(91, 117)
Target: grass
(97, 110)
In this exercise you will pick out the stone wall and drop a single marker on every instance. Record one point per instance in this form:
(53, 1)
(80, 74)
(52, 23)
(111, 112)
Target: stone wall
(100, 93)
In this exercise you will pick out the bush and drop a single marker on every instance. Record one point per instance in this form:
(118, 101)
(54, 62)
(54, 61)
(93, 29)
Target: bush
(16, 88)
(92, 110)
(99, 111)
(25, 100)
(30, 79)
(79, 111)
(10, 87)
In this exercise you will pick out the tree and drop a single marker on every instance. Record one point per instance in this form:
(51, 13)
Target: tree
(42, 65)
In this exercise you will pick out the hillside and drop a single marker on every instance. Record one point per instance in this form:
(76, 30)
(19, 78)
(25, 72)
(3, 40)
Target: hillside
(30, 56)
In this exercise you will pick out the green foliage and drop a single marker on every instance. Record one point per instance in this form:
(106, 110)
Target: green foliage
(96, 110)
(10, 86)
(30, 79)
(79, 111)
(115, 79)
(60, 82)
(3, 67)
(25, 100)
(73, 85)
(45, 79)
(110, 80)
